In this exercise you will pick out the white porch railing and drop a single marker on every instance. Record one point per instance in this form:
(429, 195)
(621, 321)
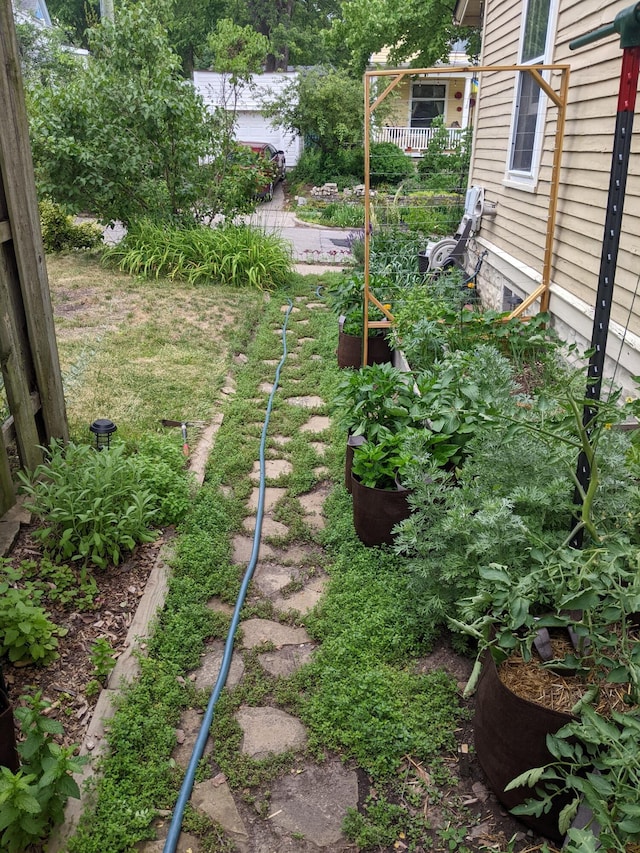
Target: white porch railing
(413, 138)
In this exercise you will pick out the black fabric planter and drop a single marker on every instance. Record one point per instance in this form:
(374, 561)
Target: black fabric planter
(353, 441)
(350, 350)
(510, 737)
(8, 753)
(377, 511)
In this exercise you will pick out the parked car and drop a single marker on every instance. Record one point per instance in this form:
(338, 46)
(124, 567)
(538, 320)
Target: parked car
(276, 160)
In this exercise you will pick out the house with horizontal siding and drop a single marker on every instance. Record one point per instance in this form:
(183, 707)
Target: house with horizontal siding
(419, 99)
(514, 137)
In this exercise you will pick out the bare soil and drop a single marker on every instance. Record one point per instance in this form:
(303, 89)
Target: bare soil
(64, 681)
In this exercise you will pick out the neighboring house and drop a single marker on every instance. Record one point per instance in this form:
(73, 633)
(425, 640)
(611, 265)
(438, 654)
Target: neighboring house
(420, 99)
(251, 124)
(514, 135)
(32, 9)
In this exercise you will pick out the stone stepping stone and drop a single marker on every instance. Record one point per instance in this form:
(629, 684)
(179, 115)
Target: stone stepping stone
(213, 797)
(303, 322)
(298, 555)
(312, 504)
(319, 446)
(316, 305)
(316, 424)
(273, 468)
(272, 495)
(271, 361)
(255, 632)
(265, 387)
(207, 673)
(269, 526)
(187, 843)
(305, 599)
(242, 548)
(285, 662)
(269, 730)
(314, 802)
(305, 340)
(322, 472)
(310, 402)
(280, 440)
(187, 734)
(269, 578)
(218, 606)
(294, 310)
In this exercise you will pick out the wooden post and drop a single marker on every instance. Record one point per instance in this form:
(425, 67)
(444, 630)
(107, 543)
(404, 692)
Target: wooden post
(28, 349)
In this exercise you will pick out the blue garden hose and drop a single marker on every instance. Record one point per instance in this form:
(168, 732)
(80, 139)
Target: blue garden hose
(198, 749)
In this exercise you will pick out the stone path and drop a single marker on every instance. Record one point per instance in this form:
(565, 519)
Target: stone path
(306, 806)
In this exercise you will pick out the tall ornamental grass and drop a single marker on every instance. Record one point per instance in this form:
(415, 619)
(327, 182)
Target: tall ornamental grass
(232, 255)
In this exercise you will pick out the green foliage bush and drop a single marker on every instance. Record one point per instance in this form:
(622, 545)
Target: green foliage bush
(388, 164)
(160, 464)
(234, 255)
(27, 635)
(33, 799)
(60, 233)
(344, 167)
(92, 504)
(442, 167)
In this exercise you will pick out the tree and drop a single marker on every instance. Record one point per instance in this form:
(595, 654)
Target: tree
(417, 31)
(237, 54)
(295, 28)
(76, 16)
(44, 57)
(126, 137)
(324, 106)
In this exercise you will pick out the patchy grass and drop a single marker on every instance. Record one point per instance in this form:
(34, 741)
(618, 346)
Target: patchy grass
(137, 352)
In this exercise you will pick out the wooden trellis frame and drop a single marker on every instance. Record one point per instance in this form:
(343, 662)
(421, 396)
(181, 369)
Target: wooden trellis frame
(28, 349)
(558, 99)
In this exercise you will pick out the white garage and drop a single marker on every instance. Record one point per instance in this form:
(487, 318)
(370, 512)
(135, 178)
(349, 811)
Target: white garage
(251, 125)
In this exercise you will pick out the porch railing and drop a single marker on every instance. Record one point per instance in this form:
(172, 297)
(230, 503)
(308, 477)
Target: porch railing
(413, 138)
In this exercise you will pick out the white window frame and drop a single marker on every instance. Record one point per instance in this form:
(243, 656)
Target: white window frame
(528, 179)
(426, 81)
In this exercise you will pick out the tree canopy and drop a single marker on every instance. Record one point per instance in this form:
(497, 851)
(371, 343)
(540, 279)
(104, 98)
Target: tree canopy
(126, 137)
(420, 32)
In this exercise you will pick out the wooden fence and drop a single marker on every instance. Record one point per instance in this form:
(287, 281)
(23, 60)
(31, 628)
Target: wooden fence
(28, 351)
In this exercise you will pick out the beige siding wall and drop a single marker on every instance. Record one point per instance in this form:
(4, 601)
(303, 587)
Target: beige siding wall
(401, 112)
(519, 228)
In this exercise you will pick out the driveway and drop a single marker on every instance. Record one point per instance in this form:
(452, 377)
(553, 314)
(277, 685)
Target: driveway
(311, 244)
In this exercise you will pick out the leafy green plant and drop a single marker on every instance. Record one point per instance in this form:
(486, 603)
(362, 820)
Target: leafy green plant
(26, 632)
(388, 164)
(101, 656)
(375, 399)
(597, 760)
(59, 232)
(33, 799)
(381, 823)
(234, 255)
(92, 505)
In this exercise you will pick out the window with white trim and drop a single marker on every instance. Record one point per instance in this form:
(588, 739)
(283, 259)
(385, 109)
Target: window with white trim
(529, 106)
(427, 102)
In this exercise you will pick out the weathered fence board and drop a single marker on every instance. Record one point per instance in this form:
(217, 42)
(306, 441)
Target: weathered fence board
(28, 350)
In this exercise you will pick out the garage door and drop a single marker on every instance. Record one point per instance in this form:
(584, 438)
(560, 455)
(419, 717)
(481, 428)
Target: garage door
(253, 127)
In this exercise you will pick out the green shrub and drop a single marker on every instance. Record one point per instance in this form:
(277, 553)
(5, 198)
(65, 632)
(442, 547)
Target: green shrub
(388, 164)
(442, 167)
(233, 255)
(60, 233)
(27, 634)
(345, 167)
(92, 504)
(161, 469)
(33, 799)
(342, 215)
